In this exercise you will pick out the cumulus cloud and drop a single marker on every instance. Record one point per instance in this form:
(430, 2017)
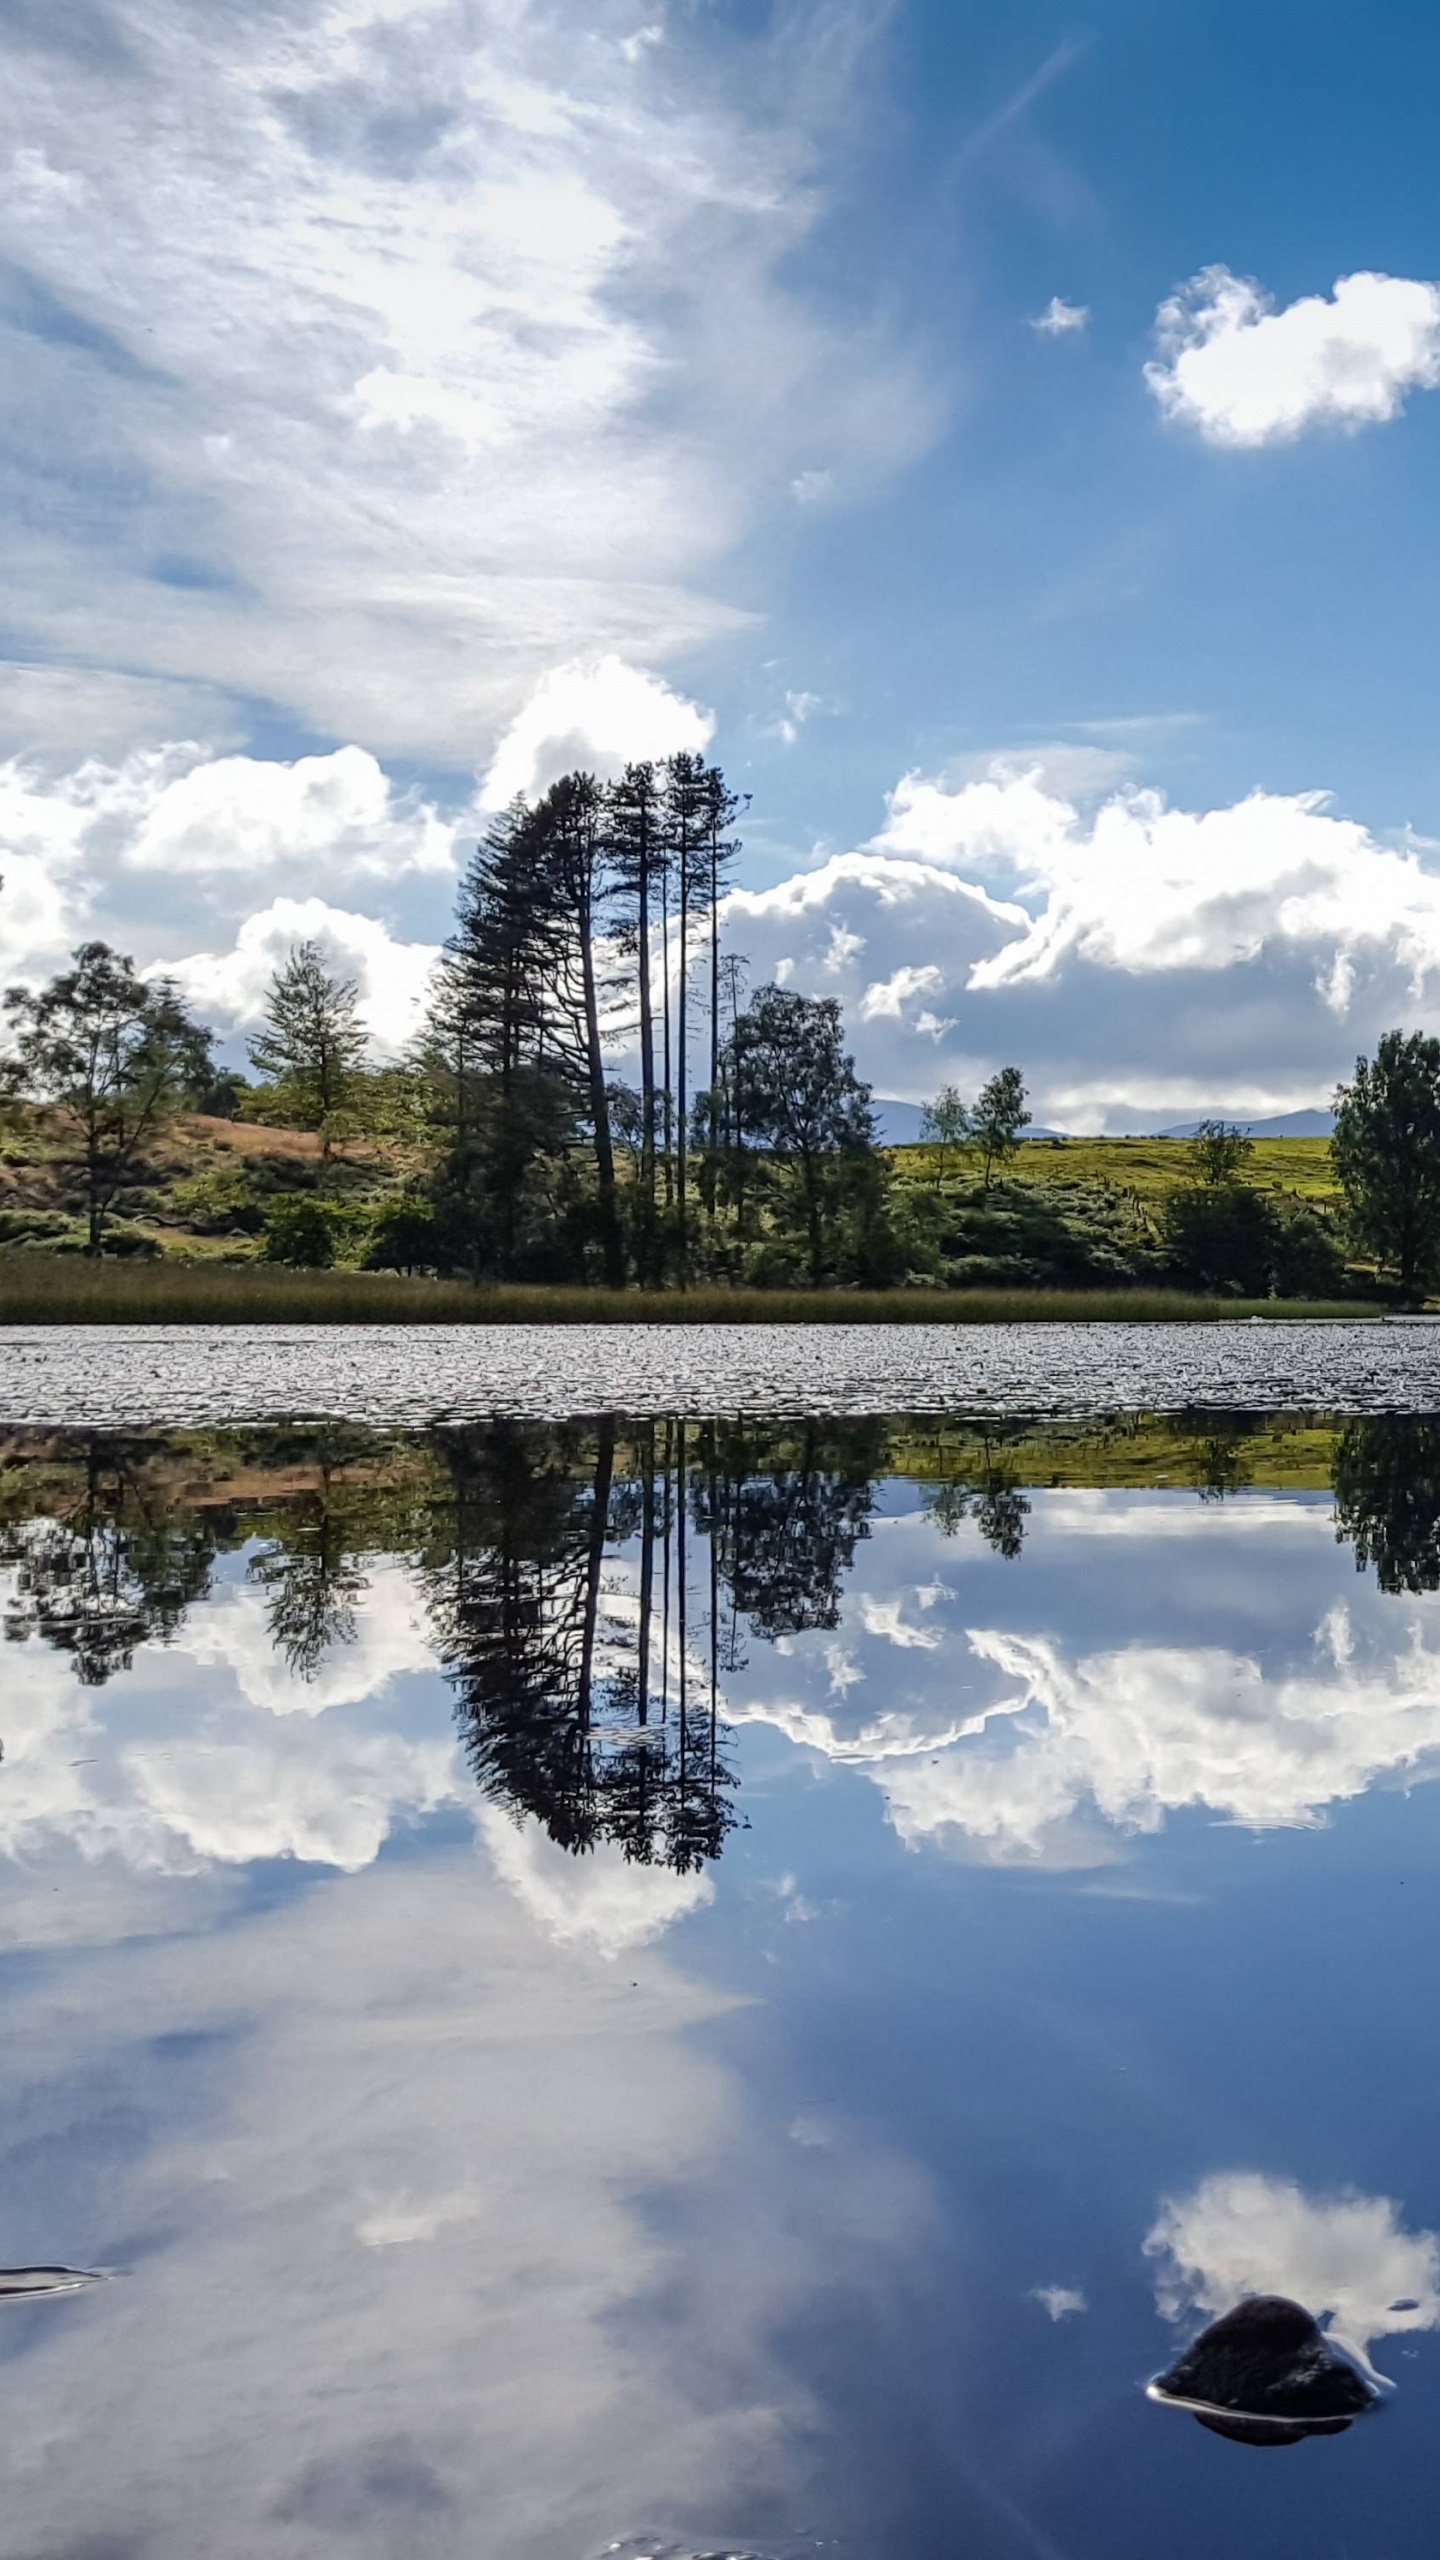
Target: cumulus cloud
(603, 1901)
(507, 360)
(1239, 2233)
(1245, 373)
(1061, 319)
(1253, 948)
(596, 719)
(228, 988)
(174, 830)
(218, 1759)
(1142, 1731)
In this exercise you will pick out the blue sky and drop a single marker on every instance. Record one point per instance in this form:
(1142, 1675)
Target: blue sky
(401, 393)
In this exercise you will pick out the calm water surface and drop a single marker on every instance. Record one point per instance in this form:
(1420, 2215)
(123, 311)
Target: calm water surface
(710, 1987)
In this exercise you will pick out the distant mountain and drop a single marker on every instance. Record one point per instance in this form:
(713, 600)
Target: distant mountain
(899, 1123)
(1290, 1124)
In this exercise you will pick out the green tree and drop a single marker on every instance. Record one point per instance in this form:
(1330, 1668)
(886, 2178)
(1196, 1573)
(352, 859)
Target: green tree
(802, 1101)
(117, 1051)
(1000, 1113)
(504, 1098)
(1386, 1477)
(1219, 1155)
(1386, 1155)
(945, 1123)
(313, 1044)
(301, 1231)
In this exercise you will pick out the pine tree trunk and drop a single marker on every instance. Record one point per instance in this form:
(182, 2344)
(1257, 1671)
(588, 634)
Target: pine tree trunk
(647, 1071)
(680, 1130)
(600, 1111)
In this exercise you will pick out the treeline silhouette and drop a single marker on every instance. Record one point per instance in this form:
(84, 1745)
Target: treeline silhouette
(589, 1587)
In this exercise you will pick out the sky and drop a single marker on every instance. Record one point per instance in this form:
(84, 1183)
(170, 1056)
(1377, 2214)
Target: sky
(1004, 437)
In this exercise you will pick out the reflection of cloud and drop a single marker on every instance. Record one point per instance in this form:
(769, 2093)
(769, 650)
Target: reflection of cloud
(452, 2246)
(390, 1639)
(1060, 2300)
(601, 1900)
(1148, 1729)
(1240, 2233)
(217, 1757)
(883, 1618)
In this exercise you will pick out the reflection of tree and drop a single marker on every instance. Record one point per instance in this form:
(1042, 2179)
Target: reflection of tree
(1219, 1460)
(992, 1499)
(785, 1515)
(1386, 1476)
(313, 1581)
(576, 1707)
(113, 1570)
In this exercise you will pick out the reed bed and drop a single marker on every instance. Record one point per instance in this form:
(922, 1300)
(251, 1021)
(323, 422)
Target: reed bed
(48, 1289)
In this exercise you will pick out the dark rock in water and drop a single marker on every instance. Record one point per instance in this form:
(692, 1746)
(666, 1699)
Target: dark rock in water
(1266, 2374)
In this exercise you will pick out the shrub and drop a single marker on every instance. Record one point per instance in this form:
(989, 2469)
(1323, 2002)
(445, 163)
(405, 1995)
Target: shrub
(404, 1237)
(302, 1231)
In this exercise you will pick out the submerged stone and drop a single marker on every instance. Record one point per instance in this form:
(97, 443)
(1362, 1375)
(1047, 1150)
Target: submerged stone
(1266, 2374)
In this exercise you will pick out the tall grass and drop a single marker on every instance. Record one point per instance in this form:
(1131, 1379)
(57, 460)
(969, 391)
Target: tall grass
(37, 1288)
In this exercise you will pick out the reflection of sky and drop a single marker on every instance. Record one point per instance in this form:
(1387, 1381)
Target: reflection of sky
(503, 2206)
(1149, 1654)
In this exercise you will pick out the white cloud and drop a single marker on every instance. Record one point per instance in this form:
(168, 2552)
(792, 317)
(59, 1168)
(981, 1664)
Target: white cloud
(889, 996)
(237, 813)
(594, 718)
(386, 356)
(1246, 374)
(1060, 2300)
(1142, 1731)
(1131, 955)
(603, 1900)
(228, 988)
(218, 1760)
(1061, 319)
(213, 830)
(1239, 2233)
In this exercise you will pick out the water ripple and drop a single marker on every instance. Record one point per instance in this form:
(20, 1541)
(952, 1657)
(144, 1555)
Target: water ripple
(120, 1377)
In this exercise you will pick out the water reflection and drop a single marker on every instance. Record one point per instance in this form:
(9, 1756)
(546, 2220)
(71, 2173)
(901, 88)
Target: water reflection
(611, 1603)
(696, 2157)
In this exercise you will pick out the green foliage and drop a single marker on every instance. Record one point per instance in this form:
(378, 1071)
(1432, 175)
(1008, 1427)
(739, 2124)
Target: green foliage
(312, 1047)
(1068, 1235)
(1000, 1113)
(117, 1051)
(945, 1125)
(1249, 1244)
(803, 1107)
(302, 1232)
(1387, 1499)
(404, 1237)
(1219, 1155)
(218, 1202)
(1386, 1153)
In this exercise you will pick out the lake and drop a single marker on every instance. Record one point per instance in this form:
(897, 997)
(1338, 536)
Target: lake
(693, 1982)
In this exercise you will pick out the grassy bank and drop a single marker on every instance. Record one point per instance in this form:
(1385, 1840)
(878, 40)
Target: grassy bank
(1147, 1168)
(43, 1289)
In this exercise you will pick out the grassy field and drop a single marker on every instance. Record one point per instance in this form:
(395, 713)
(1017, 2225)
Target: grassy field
(40, 1289)
(1149, 1167)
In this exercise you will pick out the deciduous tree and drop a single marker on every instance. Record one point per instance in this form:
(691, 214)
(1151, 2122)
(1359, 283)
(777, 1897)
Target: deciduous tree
(117, 1051)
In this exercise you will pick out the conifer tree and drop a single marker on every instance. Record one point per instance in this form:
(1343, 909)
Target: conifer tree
(313, 1043)
(637, 854)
